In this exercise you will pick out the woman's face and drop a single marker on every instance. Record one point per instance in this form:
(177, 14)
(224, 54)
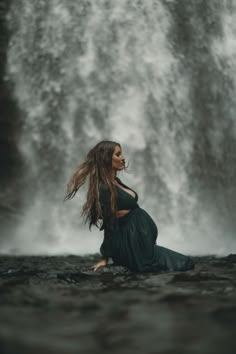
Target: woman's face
(118, 160)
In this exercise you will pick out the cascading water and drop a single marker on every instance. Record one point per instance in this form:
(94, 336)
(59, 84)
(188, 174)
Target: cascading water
(157, 76)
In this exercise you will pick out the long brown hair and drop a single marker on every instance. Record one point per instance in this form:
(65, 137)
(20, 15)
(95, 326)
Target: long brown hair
(98, 167)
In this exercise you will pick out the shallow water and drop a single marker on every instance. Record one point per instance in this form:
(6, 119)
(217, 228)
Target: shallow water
(48, 306)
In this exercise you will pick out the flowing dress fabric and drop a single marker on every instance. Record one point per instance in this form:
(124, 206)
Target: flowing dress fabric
(131, 240)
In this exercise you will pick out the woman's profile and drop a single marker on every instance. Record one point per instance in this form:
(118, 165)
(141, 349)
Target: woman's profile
(130, 233)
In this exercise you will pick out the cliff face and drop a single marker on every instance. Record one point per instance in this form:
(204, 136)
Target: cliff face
(11, 163)
(10, 160)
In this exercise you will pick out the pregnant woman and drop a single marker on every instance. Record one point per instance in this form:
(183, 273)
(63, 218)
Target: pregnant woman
(130, 233)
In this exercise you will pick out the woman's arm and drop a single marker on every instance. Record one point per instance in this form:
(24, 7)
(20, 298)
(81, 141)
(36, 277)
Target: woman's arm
(105, 248)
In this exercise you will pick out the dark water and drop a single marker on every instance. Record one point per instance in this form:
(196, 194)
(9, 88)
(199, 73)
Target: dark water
(48, 306)
(157, 76)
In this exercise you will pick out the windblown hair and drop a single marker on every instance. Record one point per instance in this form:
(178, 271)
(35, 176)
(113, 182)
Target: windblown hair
(98, 168)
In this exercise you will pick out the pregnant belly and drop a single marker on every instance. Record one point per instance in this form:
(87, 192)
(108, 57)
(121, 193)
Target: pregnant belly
(139, 219)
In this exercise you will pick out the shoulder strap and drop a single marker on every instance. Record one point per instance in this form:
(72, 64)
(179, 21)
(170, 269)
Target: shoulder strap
(124, 185)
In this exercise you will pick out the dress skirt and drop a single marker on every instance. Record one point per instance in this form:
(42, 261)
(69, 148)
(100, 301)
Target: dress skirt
(133, 245)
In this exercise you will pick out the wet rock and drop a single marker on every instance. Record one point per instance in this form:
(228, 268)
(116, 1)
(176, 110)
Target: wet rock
(231, 258)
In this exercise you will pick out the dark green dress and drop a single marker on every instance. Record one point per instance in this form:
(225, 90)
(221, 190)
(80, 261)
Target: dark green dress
(131, 240)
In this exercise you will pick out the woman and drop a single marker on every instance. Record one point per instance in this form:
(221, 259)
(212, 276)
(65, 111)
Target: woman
(129, 232)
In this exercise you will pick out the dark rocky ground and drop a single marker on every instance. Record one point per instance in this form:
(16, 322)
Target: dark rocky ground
(48, 306)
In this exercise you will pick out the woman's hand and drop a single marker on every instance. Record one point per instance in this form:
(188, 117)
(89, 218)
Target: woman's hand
(102, 263)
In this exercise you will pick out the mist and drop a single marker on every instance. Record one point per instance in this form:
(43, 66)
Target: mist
(158, 77)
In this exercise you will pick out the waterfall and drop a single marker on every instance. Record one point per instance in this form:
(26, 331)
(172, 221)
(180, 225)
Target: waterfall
(158, 77)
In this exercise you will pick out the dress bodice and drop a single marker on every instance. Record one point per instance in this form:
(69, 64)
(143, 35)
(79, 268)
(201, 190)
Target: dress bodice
(125, 200)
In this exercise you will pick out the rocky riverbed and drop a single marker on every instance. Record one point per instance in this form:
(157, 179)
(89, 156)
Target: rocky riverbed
(49, 306)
